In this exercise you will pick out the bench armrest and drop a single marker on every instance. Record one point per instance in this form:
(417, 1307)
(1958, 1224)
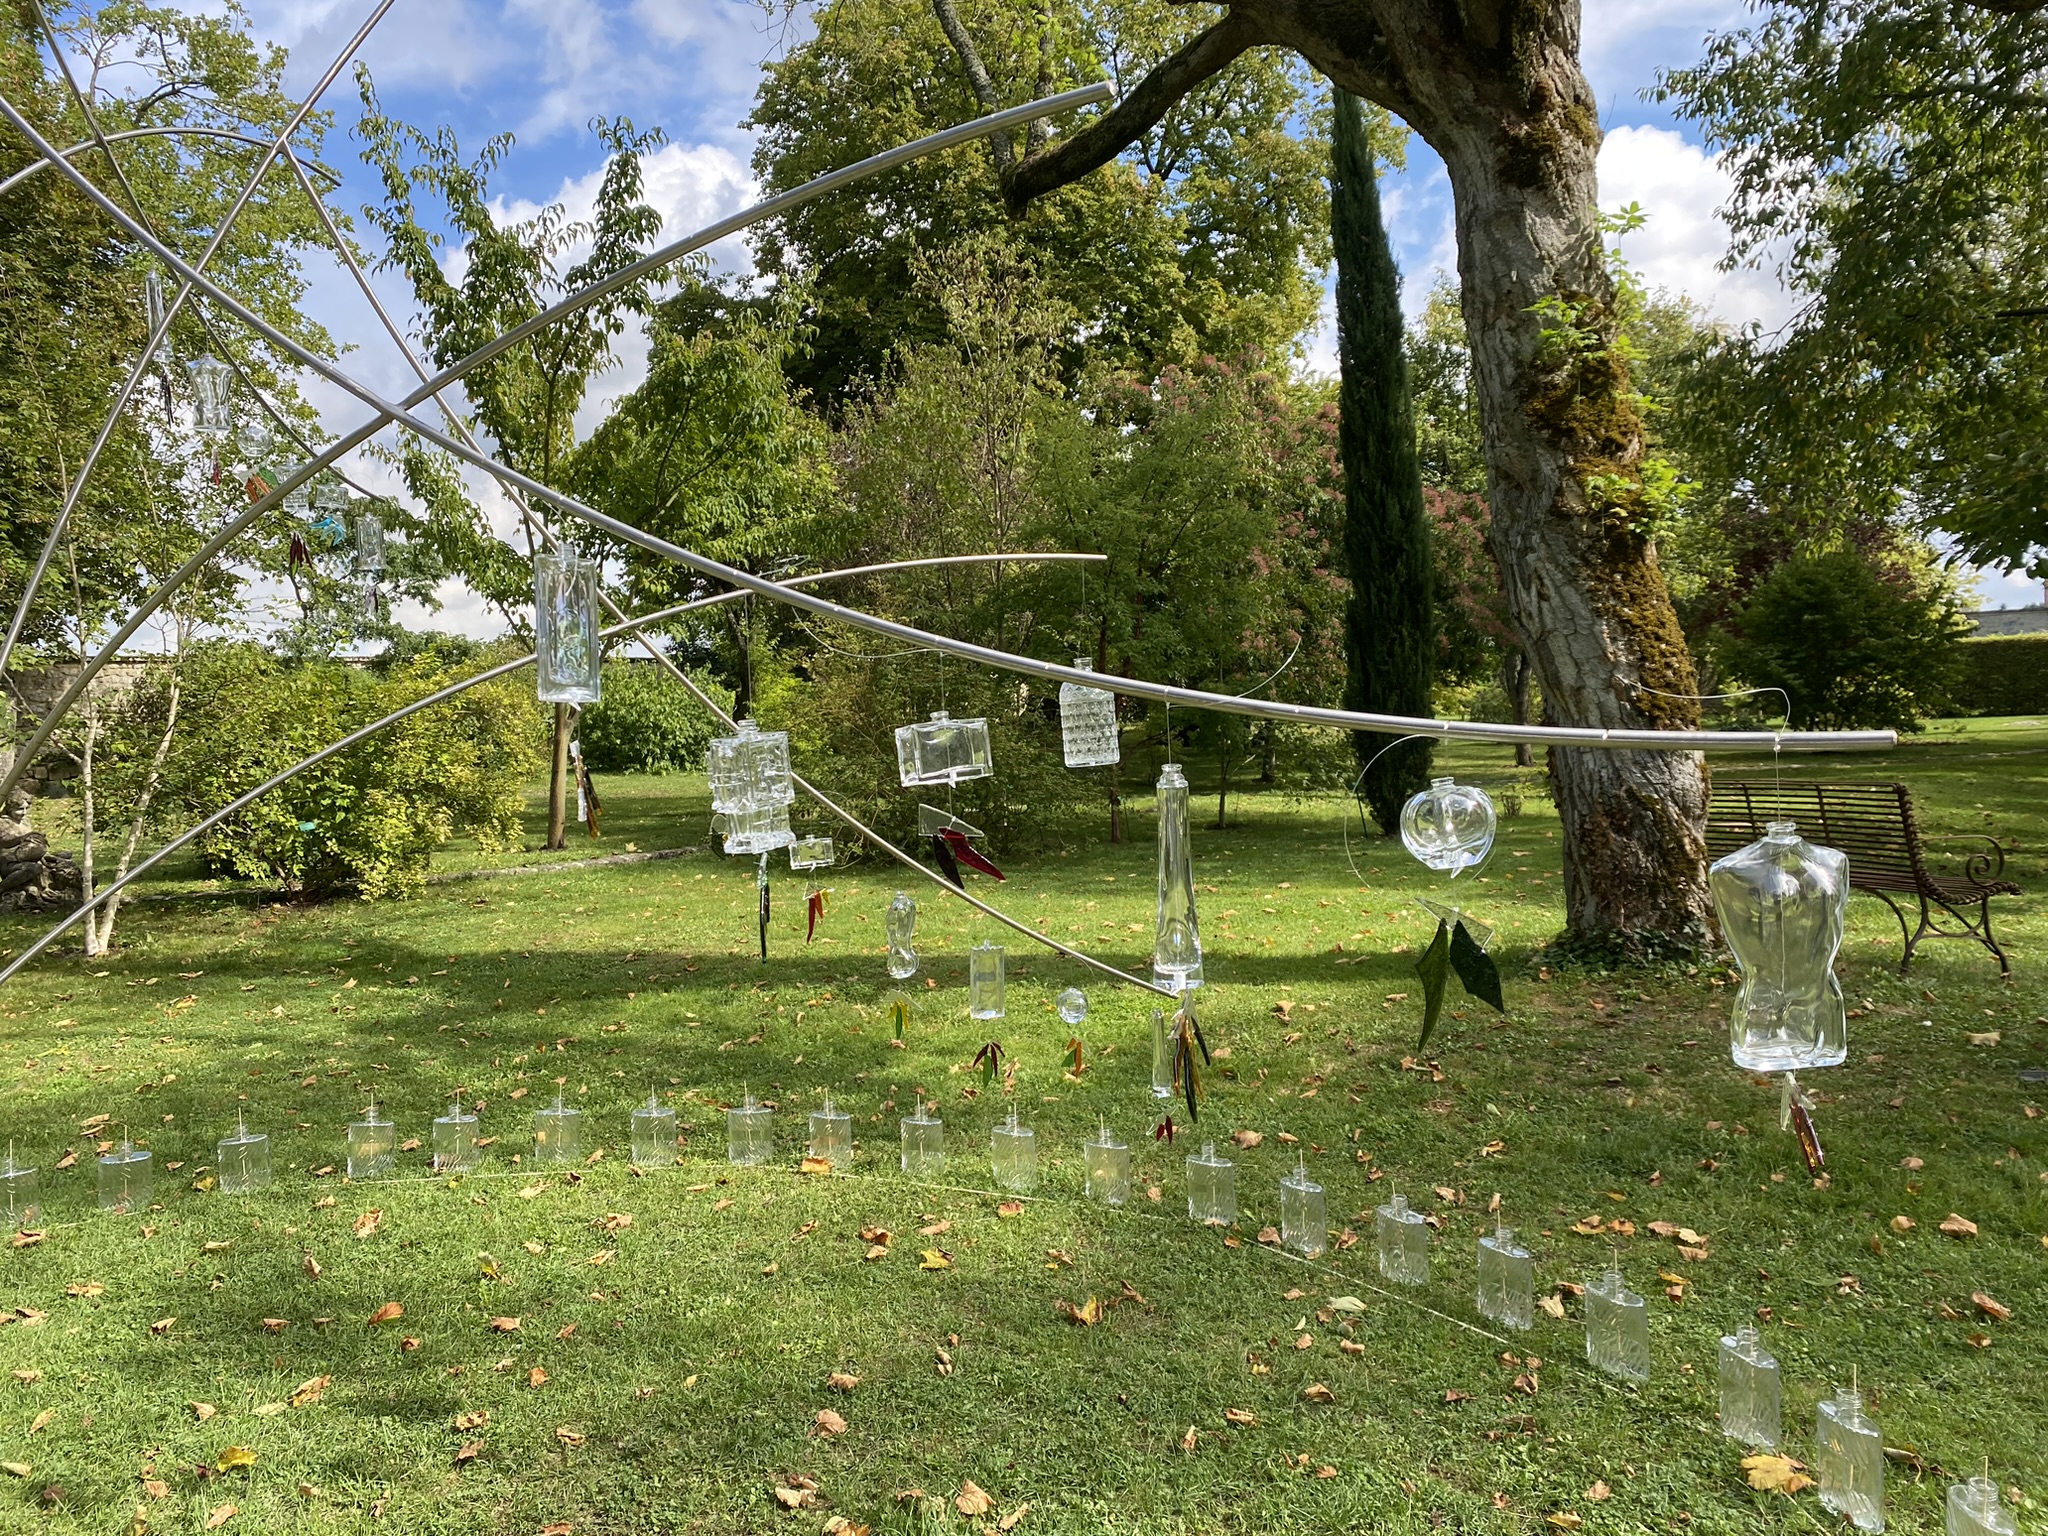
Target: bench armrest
(1985, 863)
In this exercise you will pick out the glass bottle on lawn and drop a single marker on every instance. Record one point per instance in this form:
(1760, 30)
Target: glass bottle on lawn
(1617, 1327)
(454, 1146)
(1849, 1459)
(985, 981)
(1507, 1280)
(1014, 1152)
(21, 1193)
(1177, 940)
(832, 1135)
(1088, 722)
(372, 1141)
(557, 1133)
(1781, 901)
(1974, 1509)
(749, 1133)
(901, 925)
(125, 1174)
(1403, 1242)
(923, 1144)
(568, 658)
(1212, 1188)
(243, 1160)
(1448, 826)
(1107, 1165)
(1162, 1054)
(654, 1133)
(1751, 1389)
(1304, 1223)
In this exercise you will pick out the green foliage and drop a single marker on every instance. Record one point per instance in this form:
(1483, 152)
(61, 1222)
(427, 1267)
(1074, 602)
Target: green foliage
(646, 721)
(2003, 675)
(1851, 648)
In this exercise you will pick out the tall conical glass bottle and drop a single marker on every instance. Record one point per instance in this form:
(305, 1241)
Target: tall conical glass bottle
(1176, 941)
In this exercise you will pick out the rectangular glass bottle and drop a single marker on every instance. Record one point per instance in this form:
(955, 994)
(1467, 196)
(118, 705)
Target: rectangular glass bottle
(985, 981)
(654, 1134)
(1751, 1390)
(749, 1133)
(1617, 1328)
(924, 1144)
(557, 1134)
(372, 1141)
(1304, 1223)
(1849, 1460)
(243, 1160)
(453, 1140)
(832, 1135)
(1507, 1280)
(1014, 1152)
(1212, 1188)
(125, 1175)
(1403, 1242)
(1974, 1509)
(1108, 1165)
(21, 1198)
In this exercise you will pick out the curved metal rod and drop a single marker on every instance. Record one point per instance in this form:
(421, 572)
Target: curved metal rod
(142, 361)
(634, 626)
(782, 202)
(124, 134)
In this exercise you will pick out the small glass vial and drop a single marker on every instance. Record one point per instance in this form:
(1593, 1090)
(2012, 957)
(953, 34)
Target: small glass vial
(1507, 1280)
(1162, 1055)
(1304, 1226)
(1073, 1006)
(1617, 1327)
(243, 1160)
(654, 1133)
(749, 1133)
(1212, 1188)
(1750, 1389)
(371, 1142)
(985, 981)
(1849, 1456)
(1014, 1152)
(21, 1193)
(1403, 1243)
(125, 1178)
(924, 1144)
(1974, 1509)
(901, 924)
(453, 1143)
(832, 1135)
(557, 1133)
(1107, 1162)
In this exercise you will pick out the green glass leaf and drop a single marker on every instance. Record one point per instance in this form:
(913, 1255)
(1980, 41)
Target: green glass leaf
(1476, 970)
(1434, 967)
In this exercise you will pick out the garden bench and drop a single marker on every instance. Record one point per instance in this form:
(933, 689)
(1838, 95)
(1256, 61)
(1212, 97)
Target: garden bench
(1875, 826)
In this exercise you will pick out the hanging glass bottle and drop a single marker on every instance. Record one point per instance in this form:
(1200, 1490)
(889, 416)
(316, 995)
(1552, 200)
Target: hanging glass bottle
(125, 1175)
(923, 1144)
(568, 658)
(1403, 1242)
(985, 981)
(749, 1133)
(832, 1135)
(811, 853)
(1304, 1222)
(1617, 1327)
(942, 750)
(1212, 1188)
(152, 301)
(1448, 826)
(751, 788)
(1107, 1165)
(1750, 1389)
(654, 1133)
(1162, 1055)
(901, 925)
(557, 1134)
(243, 1160)
(330, 507)
(21, 1193)
(1849, 1460)
(455, 1141)
(1507, 1280)
(369, 543)
(1088, 722)
(1781, 902)
(1177, 939)
(1974, 1509)
(372, 1141)
(1013, 1150)
(298, 501)
(212, 383)
(1073, 1006)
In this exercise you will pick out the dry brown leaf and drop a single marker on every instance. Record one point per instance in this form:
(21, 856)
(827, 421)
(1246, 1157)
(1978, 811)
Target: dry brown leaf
(274, 1324)
(1246, 1139)
(30, 1375)
(1550, 1306)
(161, 1326)
(1351, 1346)
(16, 1468)
(557, 1528)
(1316, 1392)
(476, 1419)
(203, 1411)
(876, 1236)
(42, 1421)
(311, 1266)
(1598, 1492)
(604, 1255)
(827, 1423)
(155, 1488)
(1903, 1223)
(815, 1165)
(612, 1221)
(1011, 1521)
(971, 1501)
(469, 1452)
(85, 1288)
(267, 1410)
(792, 1498)
(1996, 1310)
(1980, 1340)
(390, 1312)
(841, 1381)
(537, 1377)
(309, 1390)
(1010, 1208)
(27, 1239)
(569, 1436)
(504, 1325)
(219, 1516)
(368, 1223)
(1244, 1418)
(935, 1229)
(1187, 1441)
(1958, 1226)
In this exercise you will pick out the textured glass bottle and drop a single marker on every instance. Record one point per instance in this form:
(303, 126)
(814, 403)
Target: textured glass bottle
(1088, 722)
(371, 1142)
(567, 659)
(557, 1133)
(243, 1160)
(369, 543)
(1176, 937)
(1781, 902)
(1304, 1222)
(453, 1142)
(1073, 1006)
(1403, 1242)
(1849, 1460)
(1617, 1328)
(125, 1175)
(1507, 1280)
(985, 981)
(1212, 1188)
(942, 750)
(832, 1135)
(212, 381)
(749, 1133)
(1108, 1167)
(1448, 826)
(1974, 1509)
(923, 1144)
(749, 778)
(21, 1193)
(1013, 1150)
(654, 1133)
(1751, 1390)
(901, 925)
(1162, 1055)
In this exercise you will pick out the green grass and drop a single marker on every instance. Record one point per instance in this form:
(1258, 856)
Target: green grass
(701, 1349)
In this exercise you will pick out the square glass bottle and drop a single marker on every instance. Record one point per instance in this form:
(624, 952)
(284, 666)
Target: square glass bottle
(832, 1135)
(749, 1133)
(1849, 1460)
(1507, 1280)
(1974, 1509)
(1107, 1162)
(372, 1141)
(453, 1140)
(1013, 1150)
(125, 1176)
(1212, 1188)
(1403, 1242)
(985, 981)
(1304, 1222)
(1617, 1327)
(557, 1133)
(243, 1160)
(924, 1144)
(21, 1193)
(1751, 1390)
(654, 1133)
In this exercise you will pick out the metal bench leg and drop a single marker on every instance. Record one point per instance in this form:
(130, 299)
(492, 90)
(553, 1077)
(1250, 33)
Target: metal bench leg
(1990, 942)
(1905, 933)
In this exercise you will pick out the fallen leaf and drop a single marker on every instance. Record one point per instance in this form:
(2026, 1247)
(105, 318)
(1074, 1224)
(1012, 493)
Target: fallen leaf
(828, 1423)
(1988, 1037)
(1010, 1521)
(935, 1229)
(1244, 1418)
(934, 1258)
(1346, 1304)
(1997, 1310)
(28, 1375)
(311, 1266)
(1563, 1520)
(815, 1165)
(532, 1189)
(612, 1221)
(217, 1246)
(155, 1488)
(537, 1377)
(1550, 1306)
(1980, 1340)
(1775, 1474)
(309, 1390)
(469, 1452)
(840, 1381)
(504, 1325)
(235, 1458)
(1598, 1492)
(604, 1256)
(792, 1498)
(16, 1468)
(42, 1421)
(1453, 1395)
(971, 1501)
(877, 1236)
(27, 1239)
(390, 1312)
(1187, 1441)
(557, 1528)
(1269, 1235)
(1958, 1226)
(1088, 1314)
(274, 1324)
(368, 1223)
(1010, 1208)
(161, 1326)
(203, 1411)
(1903, 1223)
(1246, 1139)
(1316, 1392)
(408, 1344)
(569, 1436)
(719, 1205)
(219, 1516)
(267, 1410)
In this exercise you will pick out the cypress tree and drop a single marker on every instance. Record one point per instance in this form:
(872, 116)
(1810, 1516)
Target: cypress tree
(1390, 626)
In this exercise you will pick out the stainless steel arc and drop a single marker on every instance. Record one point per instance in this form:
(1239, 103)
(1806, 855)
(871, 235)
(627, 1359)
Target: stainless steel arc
(122, 135)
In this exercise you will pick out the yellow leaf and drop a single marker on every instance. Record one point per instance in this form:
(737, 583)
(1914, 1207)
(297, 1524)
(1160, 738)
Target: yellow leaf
(1244, 1418)
(1010, 1521)
(934, 1258)
(42, 1420)
(390, 1312)
(473, 1420)
(85, 1288)
(1563, 1520)
(1088, 1314)
(971, 1501)
(1316, 1392)
(840, 1381)
(815, 1165)
(267, 1410)
(234, 1458)
(1958, 1226)
(217, 1246)
(16, 1468)
(309, 1390)
(219, 1516)
(569, 1436)
(1775, 1474)
(604, 1255)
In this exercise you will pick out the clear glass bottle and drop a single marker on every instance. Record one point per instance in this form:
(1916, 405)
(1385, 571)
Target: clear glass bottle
(749, 1133)
(1304, 1222)
(298, 501)
(751, 788)
(330, 506)
(1448, 826)
(1073, 1006)
(1751, 1390)
(832, 1135)
(901, 925)
(1781, 902)
(1403, 1242)
(125, 1175)
(152, 301)
(1212, 1188)
(1617, 1327)
(453, 1140)
(1162, 1055)
(1975, 1509)
(758, 831)
(1507, 1280)
(1088, 722)
(1107, 1165)
(985, 981)
(1014, 1152)
(942, 750)
(654, 1133)
(811, 853)
(213, 381)
(21, 1193)
(557, 1133)
(372, 1142)
(924, 1144)
(369, 543)
(568, 657)
(1849, 1460)
(243, 1160)
(1176, 936)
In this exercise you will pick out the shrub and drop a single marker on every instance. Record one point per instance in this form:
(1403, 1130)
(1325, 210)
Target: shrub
(2004, 675)
(646, 722)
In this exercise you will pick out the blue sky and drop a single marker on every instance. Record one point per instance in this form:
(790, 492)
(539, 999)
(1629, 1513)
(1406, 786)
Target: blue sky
(541, 69)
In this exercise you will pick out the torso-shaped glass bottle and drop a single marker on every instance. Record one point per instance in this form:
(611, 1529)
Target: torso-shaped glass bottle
(942, 750)
(1507, 1280)
(454, 1140)
(1304, 1223)
(372, 1141)
(1013, 1150)
(1108, 1165)
(21, 1193)
(1617, 1328)
(1403, 1242)
(1781, 902)
(985, 981)
(1088, 722)
(1176, 937)
(557, 1133)
(567, 658)
(654, 1133)
(1751, 1390)
(1162, 1055)
(1974, 1509)
(1448, 826)
(212, 381)
(243, 1160)
(1212, 1188)
(924, 1144)
(902, 929)
(125, 1175)
(749, 1133)
(832, 1135)
(1849, 1458)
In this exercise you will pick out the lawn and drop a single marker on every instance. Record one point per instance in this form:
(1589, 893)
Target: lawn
(667, 1372)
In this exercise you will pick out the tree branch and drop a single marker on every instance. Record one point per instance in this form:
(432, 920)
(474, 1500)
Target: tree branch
(978, 80)
(1073, 157)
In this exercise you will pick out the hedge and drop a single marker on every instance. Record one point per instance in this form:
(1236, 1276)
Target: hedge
(2004, 675)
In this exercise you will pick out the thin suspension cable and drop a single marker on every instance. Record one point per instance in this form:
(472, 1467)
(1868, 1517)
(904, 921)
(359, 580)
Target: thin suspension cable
(122, 135)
